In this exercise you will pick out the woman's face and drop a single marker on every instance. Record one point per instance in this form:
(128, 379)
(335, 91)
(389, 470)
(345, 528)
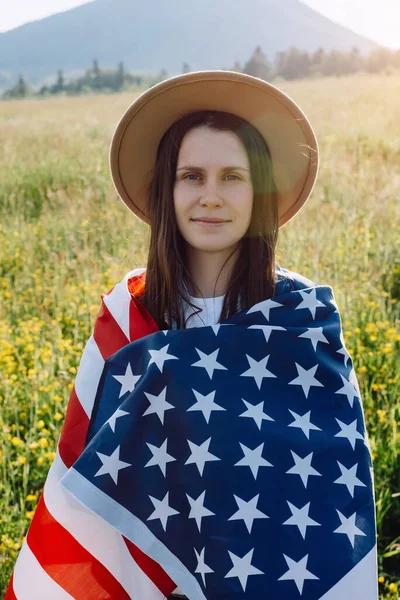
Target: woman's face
(213, 181)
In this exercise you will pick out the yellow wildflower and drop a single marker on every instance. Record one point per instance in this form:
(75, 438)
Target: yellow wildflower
(390, 331)
(17, 442)
(382, 415)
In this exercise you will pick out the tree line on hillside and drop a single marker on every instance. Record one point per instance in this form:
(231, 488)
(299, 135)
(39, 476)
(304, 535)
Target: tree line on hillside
(295, 64)
(94, 80)
(288, 65)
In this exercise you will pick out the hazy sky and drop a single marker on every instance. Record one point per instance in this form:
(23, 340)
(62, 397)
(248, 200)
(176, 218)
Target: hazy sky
(378, 20)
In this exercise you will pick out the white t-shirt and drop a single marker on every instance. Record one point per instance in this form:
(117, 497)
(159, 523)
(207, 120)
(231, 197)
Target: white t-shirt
(210, 311)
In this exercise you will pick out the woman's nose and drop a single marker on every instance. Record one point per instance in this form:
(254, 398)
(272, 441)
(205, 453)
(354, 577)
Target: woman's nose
(210, 194)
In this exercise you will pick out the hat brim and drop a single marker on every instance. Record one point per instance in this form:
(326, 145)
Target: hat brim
(286, 129)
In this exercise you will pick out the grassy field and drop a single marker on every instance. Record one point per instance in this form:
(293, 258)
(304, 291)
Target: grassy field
(65, 238)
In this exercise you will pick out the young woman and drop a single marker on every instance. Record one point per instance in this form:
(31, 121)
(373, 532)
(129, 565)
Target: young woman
(226, 443)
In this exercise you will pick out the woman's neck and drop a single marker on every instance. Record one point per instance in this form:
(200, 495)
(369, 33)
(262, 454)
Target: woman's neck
(205, 268)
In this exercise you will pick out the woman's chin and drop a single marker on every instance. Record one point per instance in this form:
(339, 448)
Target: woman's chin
(210, 247)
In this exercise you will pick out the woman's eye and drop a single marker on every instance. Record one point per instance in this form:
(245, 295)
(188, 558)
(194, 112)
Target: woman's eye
(195, 176)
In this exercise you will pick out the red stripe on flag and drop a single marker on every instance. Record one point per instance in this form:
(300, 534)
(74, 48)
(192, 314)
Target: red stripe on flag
(152, 569)
(109, 338)
(71, 566)
(73, 432)
(10, 595)
(141, 322)
(60, 555)
(108, 335)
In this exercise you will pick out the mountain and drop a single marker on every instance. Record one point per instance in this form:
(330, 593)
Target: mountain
(149, 36)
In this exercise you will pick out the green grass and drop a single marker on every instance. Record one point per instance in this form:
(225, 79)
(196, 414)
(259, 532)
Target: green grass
(65, 238)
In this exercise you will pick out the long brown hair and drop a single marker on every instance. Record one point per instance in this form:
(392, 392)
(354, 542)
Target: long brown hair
(252, 277)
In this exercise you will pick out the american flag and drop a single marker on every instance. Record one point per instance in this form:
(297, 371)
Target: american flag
(232, 461)
(69, 552)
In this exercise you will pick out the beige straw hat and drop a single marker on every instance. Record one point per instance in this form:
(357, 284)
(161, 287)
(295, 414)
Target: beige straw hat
(286, 129)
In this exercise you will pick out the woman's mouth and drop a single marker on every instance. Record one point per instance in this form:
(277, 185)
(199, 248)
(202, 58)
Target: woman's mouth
(208, 222)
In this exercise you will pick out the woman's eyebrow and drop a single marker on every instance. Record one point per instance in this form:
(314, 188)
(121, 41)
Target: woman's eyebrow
(193, 168)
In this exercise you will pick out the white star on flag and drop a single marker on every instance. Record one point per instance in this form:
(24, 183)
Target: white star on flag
(297, 572)
(343, 349)
(258, 370)
(303, 422)
(300, 518)
(306, 378)
(209, 362)
(160, 356)
(158, 405)
(348, 390)
(160, 457)
(118, 413)
(198, 510)
(162, 510)
(127, 381)
(353, 379)
(200, 455)
(111, 465)
(267, 329)
(315, 334)
(248, 511)
(255, 411)
(202, 568)
(349, 479)
(265, 306)
(242, 568)
(205, 404)
(310, 301)
(349, 432)
(217, 327)
(303, 467)
(346, 355)
(348, 527)
(253, 459)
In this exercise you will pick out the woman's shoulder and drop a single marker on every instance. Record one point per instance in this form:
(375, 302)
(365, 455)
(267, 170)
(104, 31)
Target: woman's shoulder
(135, 280)
(286, 280)
(290, 280)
